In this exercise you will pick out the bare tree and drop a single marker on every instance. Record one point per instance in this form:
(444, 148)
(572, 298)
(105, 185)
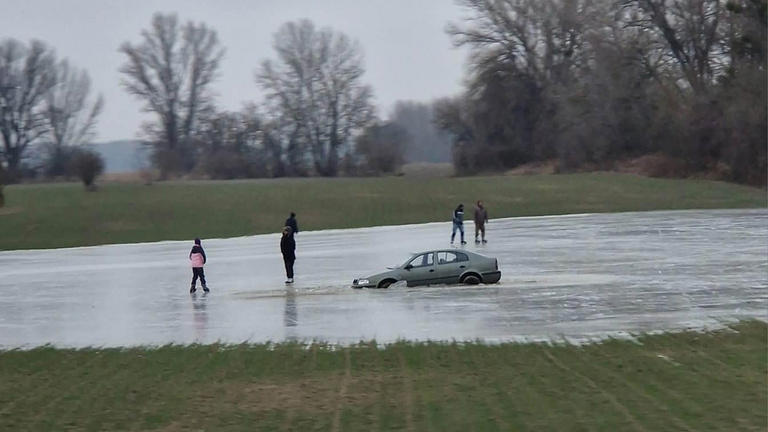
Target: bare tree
(70, 114)
(315, 89)
(691, 35)
(541, 39)
(27, 73)
(171, 71)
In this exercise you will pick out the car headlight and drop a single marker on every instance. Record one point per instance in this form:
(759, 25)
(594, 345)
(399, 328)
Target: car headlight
(363, 282)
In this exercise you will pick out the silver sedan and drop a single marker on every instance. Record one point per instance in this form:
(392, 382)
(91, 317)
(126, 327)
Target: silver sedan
(437, 267)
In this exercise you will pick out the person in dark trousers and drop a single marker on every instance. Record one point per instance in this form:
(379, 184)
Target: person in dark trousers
(291, 222)
(197, 259)
(458, 223)
(481, 217)
(288, 248)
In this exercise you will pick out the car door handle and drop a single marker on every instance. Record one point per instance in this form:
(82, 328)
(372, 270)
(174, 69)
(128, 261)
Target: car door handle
(432, 270)
(462, 266)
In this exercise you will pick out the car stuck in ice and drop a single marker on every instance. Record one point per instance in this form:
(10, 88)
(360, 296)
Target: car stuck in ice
(448, 266)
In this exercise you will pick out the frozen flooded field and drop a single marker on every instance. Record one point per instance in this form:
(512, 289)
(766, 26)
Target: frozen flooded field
(578, 277)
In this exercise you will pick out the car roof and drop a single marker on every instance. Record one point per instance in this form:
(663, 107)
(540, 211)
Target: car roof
(449, 250)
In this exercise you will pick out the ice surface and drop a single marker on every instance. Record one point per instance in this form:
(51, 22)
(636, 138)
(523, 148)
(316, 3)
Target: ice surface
(574, 278)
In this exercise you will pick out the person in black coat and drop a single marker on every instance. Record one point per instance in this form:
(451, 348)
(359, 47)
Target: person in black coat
(288, 248)
(291, 222)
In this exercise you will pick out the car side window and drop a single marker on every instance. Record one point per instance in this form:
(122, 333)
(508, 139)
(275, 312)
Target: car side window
(448, 257)
(422, 260)
(460, 257)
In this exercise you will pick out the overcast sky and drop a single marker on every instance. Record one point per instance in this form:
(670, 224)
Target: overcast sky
(408, 56)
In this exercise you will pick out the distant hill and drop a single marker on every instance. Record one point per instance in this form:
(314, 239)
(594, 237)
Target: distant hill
(122, 156)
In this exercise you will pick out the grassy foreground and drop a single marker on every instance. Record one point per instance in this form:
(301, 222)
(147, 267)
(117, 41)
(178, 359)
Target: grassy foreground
(62, 215)
(676, 381)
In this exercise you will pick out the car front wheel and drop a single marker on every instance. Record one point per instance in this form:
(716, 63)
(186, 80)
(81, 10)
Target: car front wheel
(386, 283)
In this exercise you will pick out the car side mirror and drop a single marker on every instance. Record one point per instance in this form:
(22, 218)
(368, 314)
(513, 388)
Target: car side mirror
(408, 267)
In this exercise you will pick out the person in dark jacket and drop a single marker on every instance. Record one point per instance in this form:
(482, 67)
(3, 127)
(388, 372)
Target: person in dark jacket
(481, 217)
(291, 222)
(458, 223)
(197, 259)
(288, 248)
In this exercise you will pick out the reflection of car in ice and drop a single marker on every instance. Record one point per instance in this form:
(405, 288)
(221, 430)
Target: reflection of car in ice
(437, 267)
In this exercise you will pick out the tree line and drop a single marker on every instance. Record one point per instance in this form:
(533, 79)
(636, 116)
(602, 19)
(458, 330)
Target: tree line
(588, 83)
(317, 118)
(585, 83)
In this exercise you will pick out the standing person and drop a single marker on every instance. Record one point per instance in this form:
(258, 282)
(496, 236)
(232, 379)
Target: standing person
(291, 222)
(288, 248)
(458, 223)
(197, 259)
(481, 217)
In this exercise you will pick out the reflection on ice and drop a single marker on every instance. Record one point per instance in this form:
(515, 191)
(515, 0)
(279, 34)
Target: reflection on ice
(575, 278)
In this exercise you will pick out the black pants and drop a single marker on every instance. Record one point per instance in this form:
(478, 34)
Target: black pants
(289, 265)
(198, 272)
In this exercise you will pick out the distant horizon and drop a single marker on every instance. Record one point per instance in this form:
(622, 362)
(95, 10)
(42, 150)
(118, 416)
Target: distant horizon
(408, 55)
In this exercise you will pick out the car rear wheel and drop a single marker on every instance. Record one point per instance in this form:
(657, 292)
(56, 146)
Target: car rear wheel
(386, 283)
(471, 279)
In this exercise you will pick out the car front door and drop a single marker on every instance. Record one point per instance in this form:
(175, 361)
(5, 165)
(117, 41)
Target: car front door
(421, 270)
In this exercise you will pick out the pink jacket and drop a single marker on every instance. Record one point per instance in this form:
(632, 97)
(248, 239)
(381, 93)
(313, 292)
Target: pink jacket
(196, 259)
(197, 256)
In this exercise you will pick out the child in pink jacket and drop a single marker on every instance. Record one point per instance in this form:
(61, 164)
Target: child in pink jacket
(197, 258)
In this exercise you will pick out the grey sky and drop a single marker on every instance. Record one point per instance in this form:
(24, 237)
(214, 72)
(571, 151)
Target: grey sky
(408, 56)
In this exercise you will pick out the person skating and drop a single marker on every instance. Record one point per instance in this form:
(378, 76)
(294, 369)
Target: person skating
(291, 222)
(458, 223)
(197, 258)
(288, 248)
(481, 217)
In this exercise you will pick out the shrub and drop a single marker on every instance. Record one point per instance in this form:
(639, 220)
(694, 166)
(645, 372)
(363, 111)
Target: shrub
(382, 148)
(86, 165)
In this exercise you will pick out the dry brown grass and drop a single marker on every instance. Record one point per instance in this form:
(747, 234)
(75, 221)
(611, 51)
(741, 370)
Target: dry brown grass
(426, 169)
(653, 165)
(10, 210)
(543, 167)
(124, 177)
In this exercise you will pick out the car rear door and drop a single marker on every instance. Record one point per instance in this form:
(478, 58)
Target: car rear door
(450, 265)
(422, 269)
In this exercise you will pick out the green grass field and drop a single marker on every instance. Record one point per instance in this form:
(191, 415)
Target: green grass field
(678, 381)
(62, 215)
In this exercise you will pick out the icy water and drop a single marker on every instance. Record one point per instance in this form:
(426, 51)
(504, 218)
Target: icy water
(576, 277)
